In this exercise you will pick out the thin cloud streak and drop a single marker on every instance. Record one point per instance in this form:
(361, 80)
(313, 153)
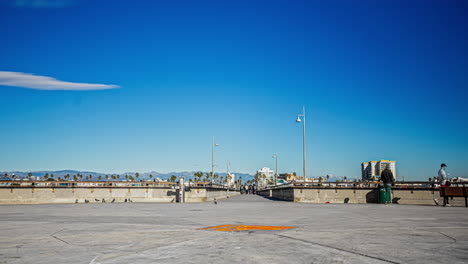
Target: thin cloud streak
(42, 3)
(25, 80)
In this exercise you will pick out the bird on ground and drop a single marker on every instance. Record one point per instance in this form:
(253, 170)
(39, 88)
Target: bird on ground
(76, 201)
(86, 201)
(113, 200)
(103, 200)
(97, 200)
(214, 201)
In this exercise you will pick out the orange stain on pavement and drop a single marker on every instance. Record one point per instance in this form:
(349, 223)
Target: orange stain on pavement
(245, 228)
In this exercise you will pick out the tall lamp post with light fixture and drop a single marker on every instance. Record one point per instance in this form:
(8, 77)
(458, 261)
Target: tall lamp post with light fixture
(298, 120)
(213, 145)
(276, 171)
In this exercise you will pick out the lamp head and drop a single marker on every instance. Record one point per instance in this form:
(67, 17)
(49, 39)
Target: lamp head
(298, 120)
(216, 145)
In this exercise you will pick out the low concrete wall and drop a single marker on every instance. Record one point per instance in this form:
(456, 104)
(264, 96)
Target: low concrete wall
(38, 195)
(334, 195)
(201, 194)
(422, 196)
(284, 194)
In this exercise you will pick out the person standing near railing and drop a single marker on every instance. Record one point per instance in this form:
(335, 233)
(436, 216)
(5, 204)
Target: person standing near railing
(443, 182)
(386, 177)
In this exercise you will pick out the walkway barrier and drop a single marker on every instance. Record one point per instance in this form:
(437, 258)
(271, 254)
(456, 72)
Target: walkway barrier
(460, 190)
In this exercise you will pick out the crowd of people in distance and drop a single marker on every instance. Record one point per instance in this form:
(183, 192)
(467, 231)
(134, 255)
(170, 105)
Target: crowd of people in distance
(248, 189)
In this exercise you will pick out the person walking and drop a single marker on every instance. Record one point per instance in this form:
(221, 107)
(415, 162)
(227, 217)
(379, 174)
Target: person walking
(241, 189)
(443, 182)
(386, 177)
(442, 175)
(246, 188)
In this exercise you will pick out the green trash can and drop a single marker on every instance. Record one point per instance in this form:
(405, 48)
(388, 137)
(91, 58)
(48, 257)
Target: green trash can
(382, 193)
(388, 192)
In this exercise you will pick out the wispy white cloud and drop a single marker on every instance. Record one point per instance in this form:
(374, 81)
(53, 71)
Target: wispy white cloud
(42, 3)
(25, 80)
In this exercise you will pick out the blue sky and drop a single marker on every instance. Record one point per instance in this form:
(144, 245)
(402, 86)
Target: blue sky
(379, 80)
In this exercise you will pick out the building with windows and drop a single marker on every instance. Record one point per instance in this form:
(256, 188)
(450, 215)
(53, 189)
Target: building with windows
(265, 176)
(373, 169)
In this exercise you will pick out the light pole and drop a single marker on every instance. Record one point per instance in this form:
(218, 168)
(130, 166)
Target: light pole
(276, 171)
(227, 173)
(303, 139)
(213, 145)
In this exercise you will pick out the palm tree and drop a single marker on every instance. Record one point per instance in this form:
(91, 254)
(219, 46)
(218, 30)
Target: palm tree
(173, 178)
(46, 176)
(198, 175)
(259, 176)
(100, 177)
(328, 177)
(137, 175)
(30, 176)
(151, 176)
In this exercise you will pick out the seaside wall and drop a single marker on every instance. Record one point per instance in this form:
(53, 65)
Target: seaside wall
(38, 195)
(423, 196)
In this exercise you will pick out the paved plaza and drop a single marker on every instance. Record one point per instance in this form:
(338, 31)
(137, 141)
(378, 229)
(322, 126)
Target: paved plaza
(167, 233)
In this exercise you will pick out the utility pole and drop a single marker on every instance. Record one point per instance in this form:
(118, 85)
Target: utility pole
(276, 171)
(227, 173)
(213, 145)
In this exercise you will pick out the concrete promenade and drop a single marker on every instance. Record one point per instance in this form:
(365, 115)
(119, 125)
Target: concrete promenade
(166, 233)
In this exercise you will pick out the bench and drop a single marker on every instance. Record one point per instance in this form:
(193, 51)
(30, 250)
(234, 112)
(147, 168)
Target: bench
(454, 191)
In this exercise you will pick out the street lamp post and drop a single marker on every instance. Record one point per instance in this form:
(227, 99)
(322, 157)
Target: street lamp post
(227, 173)
(276, 171)
(303, 140)
(213, 145)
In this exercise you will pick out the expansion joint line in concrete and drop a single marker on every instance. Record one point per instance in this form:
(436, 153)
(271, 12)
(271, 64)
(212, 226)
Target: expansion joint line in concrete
(339, 249)
(454, 240)
(445, 235)
(53, 235)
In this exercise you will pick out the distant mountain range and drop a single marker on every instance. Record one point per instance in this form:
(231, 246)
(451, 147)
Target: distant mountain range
(94, 175)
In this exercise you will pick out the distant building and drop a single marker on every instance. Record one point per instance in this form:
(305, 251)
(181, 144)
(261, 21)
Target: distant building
(269, 176)
(231, 179)
(290, 177)
(374, 168)
(286, 177)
